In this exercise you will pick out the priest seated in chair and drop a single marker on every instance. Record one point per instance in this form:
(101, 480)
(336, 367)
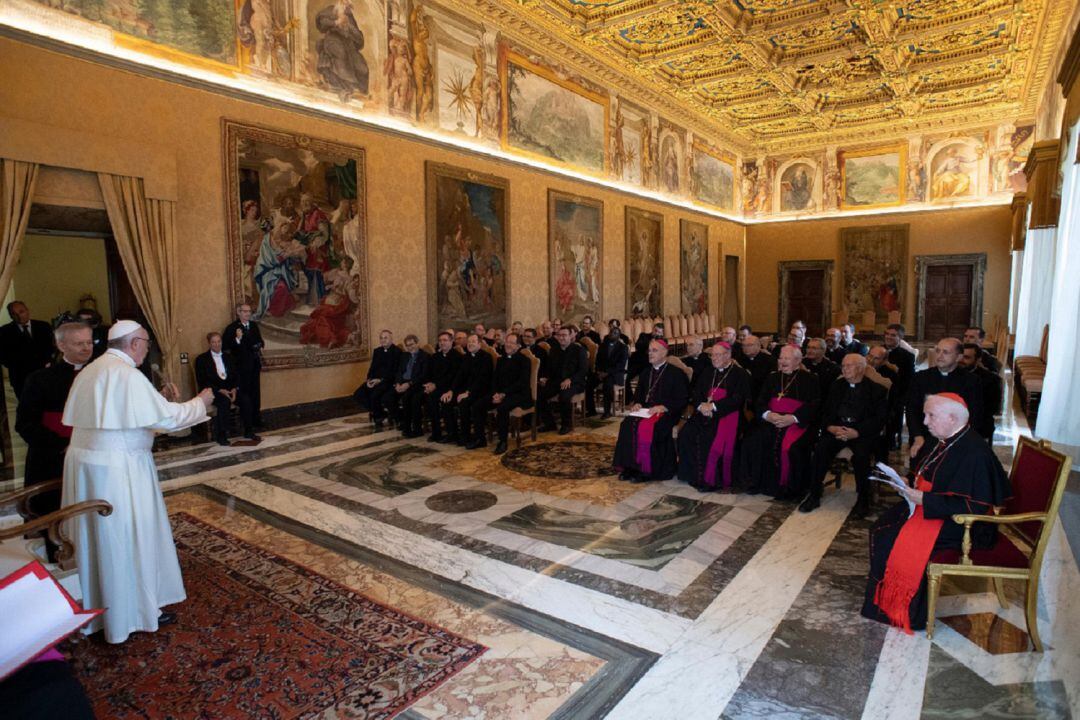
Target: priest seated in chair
(645, 449)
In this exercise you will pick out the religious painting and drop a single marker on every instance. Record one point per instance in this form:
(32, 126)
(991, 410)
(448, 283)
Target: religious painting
(953, 172)
(671, 162)
(712, 179)
(548, 116)
(693, 267)
(874, 262)
(575, 248)
(756, 184)
(872, 178)
(468, 246)
(626, 143)
(297, 220)
(1010, 157)
(204, 29)
(797, 188)
(644, 263)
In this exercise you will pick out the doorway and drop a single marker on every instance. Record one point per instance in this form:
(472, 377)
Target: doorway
(950, 294)
(732, 311)
(805, 294)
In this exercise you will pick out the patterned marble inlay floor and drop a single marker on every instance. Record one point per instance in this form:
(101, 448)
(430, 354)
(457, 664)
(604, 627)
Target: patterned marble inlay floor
(677, 604)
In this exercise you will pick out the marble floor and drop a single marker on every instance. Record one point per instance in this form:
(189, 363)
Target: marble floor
(601, 599)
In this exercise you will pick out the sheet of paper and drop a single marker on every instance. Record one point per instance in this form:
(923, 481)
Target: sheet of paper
(642, 413)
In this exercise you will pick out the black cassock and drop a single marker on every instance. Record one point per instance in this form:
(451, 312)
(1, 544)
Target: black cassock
(37, 420)
(667, 386)
(698, 435)
(763, 460)
(966, 478)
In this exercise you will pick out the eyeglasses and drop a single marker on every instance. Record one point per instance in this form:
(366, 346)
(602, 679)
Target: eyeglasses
(148, 341)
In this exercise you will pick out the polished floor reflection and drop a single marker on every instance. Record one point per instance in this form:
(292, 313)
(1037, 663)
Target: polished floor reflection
(597, 598)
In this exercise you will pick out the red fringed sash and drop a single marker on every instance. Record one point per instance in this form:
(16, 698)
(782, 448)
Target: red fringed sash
(906, 565)
(786, 406)
(723, 444)
(52, 421)
(644, 433)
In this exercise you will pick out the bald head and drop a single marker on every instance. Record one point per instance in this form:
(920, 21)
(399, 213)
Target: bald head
(948, 354)
(694, 345)
(876, 357)
(790, 359)
(853, 367)
(751, 345)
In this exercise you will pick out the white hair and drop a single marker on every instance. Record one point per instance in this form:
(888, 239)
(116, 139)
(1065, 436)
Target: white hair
(953, 409)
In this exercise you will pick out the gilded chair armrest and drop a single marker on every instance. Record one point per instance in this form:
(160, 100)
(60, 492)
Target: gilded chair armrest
(54, 524)
(1000, 519)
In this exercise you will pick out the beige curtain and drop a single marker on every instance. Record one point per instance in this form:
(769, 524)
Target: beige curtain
(17, 180)
(146, 239)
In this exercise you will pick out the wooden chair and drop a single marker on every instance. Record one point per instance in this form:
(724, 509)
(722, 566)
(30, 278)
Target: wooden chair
(1038, 477)
(517, 415)
(15, 550)
(206, 430)
(577, 401)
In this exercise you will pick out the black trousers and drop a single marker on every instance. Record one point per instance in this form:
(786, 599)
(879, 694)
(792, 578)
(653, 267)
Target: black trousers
(591, 381)
(249, 398)
(42, 691)
(551, 391)
(502, 413)
(471, 414)
(374, 398)
(862, 451)
(406, 408)
(441, 414)
(223, 415)
(607, 389)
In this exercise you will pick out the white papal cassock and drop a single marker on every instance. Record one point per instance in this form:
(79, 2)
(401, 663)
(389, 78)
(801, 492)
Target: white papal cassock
(127, 561)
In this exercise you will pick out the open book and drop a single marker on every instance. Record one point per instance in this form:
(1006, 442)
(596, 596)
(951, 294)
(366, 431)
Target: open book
(885, 474)
(35, 614)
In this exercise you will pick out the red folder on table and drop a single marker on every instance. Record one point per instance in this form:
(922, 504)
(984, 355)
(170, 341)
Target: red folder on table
(36, 613)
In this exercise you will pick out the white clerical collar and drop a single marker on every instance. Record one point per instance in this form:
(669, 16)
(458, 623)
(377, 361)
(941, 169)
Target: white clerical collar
(122, 355)
(945, 374)
(215, 353)
(77, 366)
(657, 367)
(851, 384)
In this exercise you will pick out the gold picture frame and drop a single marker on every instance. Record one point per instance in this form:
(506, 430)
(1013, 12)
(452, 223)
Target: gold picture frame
(844, 156)
(588, 260)
(723, 159)
(650, 276)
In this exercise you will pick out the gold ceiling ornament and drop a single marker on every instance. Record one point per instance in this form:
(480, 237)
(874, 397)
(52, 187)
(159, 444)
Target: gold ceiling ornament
(775, 76)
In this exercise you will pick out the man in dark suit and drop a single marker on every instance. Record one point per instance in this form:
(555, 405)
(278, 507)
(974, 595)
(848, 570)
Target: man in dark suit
(472, 394)
(442, 368)
(853, 417)
(990, 386)
(611, 366)
(904, 361)
(530, 342)
(371, 395)
(639, 358)
(568, 362)
(849, 344)
(101, 334)
(816, 362)
(587, 330)
(945, 376)
(757, 362)
(511, 387)
(244, 342)
(975, 335)
(25, 345)
(216, 369)
(696, 359)
(403, 404)
(38, 417)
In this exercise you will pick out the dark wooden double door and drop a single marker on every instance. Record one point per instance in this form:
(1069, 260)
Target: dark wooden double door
(806, 298)
(947, 300)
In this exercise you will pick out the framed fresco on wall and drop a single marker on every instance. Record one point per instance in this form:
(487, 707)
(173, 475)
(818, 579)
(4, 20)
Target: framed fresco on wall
(873, 178)
(575, 252)
(298, 243)
(712, 178)
(693, 267)
(644, 263)
(797, 187)
(551, 117)
(874, 266)
(468, 246)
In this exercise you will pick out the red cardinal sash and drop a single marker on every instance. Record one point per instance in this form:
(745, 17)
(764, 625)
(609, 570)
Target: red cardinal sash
(786, 406)
(52, 422)
(644, 432)
(723, 444)
(906, 565)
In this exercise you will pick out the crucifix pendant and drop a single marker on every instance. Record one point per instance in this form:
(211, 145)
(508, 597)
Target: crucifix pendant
(780, 396)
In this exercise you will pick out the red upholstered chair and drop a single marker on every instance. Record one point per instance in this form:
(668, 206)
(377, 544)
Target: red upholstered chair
(1038, 479)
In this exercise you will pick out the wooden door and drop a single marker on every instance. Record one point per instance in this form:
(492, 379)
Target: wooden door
(947, 300)
(805, 301)
(731, 315)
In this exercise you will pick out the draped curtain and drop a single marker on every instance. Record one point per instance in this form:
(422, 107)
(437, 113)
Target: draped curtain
(1058, 420)
(1036, 290)
(146, 240)
(17, 179)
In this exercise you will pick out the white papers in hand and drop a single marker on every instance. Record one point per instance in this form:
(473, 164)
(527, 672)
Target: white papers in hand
(889, 476)
(642, 413)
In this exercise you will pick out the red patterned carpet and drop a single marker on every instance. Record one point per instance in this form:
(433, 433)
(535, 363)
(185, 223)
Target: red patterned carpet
(260, 636)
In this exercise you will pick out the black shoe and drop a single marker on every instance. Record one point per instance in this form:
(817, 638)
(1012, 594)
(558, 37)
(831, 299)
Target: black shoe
(811, 503)
(448, 440)
(166, 618)
(605, 416)
(627, 475)
(546, 428)
(637, 479)
(591, 413)
(565, 430)
(500, 448)
(253, 436)
(435, 438)
(379, 424)
(862, 507)
(224, 443)
(475, 444)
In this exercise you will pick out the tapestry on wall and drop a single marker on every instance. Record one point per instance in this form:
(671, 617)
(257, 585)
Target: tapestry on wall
(694, 267)
(575, 249)
(644, 263)
(298, 243)
(468, 247)
(874, 261)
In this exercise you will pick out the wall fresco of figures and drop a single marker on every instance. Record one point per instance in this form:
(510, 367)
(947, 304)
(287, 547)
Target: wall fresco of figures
(693, 267)
(644, 263)
(575, 249)
(425, 63)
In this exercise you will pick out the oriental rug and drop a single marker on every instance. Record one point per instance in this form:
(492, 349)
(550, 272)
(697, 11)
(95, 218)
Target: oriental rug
(261, 636)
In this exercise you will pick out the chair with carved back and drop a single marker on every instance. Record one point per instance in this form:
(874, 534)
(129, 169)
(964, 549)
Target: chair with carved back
(1038, 478)
(577, 401)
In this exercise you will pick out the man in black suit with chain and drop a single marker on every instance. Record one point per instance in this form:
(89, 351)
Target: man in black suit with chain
(371, 395)
(611, 361)
(25, 345)
(568, 363)
(244, 341)
(511, 387)
(216, 369)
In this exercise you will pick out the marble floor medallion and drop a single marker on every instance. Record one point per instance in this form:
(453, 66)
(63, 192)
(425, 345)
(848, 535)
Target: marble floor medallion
(461, 501)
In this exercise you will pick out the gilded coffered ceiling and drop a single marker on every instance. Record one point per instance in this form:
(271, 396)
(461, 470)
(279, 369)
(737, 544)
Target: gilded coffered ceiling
(780, 75)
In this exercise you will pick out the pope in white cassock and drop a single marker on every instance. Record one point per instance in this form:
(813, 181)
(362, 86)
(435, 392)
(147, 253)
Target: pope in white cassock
(127, 561)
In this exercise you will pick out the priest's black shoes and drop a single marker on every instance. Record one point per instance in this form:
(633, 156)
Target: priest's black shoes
(565, 430)
(862, 507)
(166, 618)
(477, 443)
(500, 448)
(810, 503)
